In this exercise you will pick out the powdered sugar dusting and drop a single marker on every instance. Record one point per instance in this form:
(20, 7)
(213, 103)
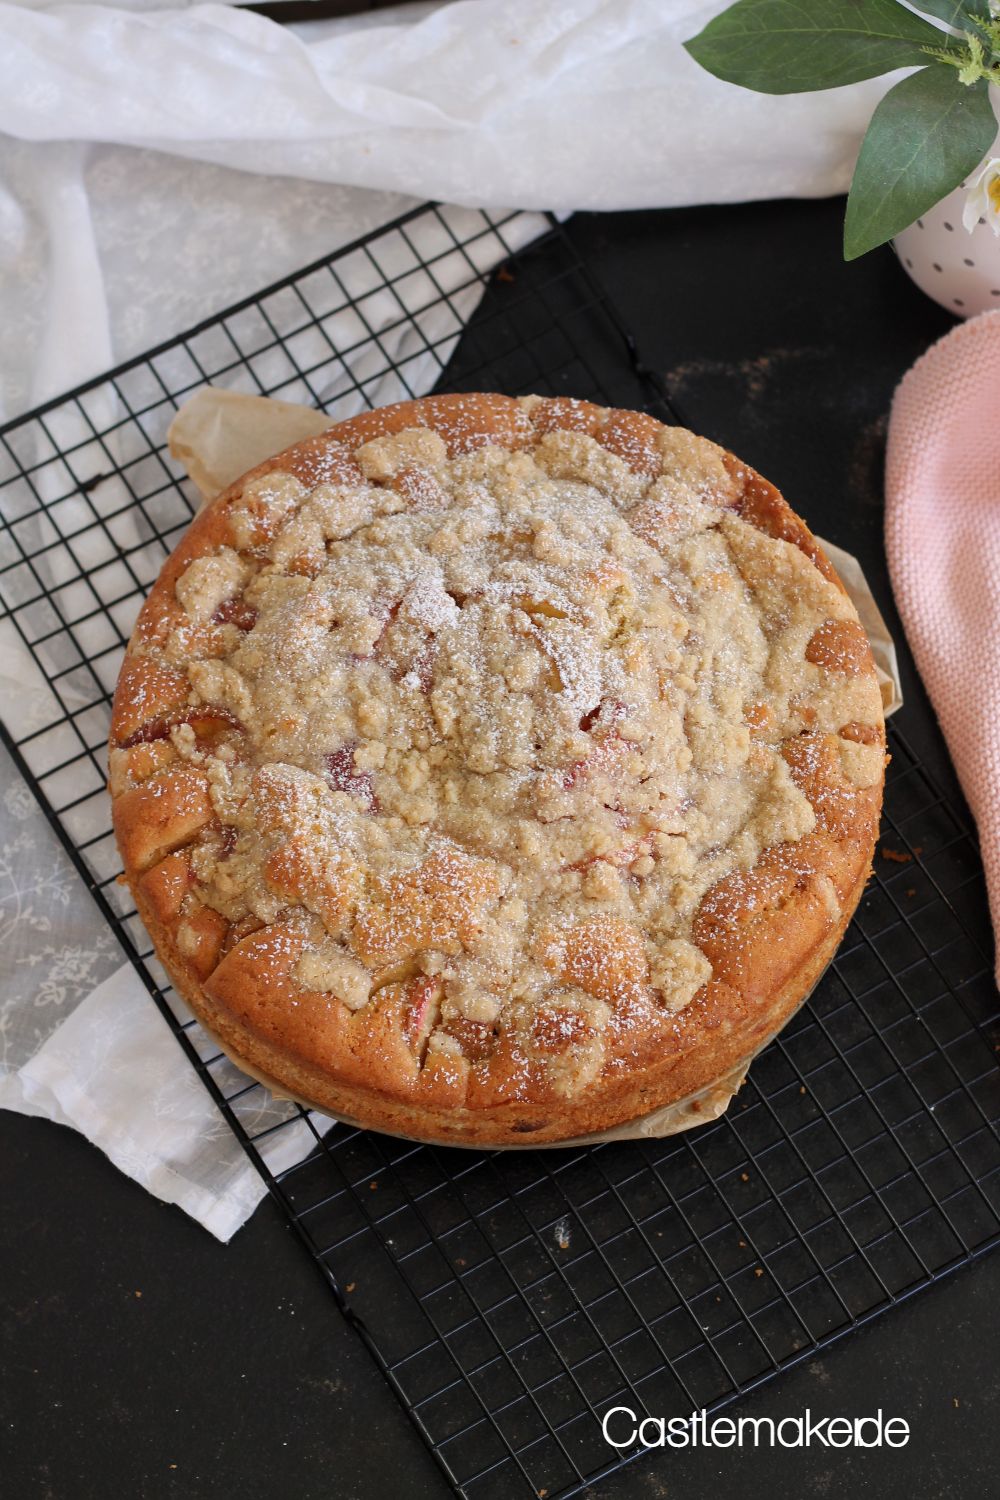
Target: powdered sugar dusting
(492, 720)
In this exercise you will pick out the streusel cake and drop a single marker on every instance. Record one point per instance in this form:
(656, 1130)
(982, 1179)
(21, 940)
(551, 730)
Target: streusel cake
(496, 771)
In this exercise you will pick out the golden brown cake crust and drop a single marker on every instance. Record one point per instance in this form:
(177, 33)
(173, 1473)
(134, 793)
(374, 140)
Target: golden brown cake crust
(496, 771)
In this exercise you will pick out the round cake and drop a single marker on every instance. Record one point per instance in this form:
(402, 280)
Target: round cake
(496, 771)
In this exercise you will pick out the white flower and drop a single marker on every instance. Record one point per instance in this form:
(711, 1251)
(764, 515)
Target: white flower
(983, 198)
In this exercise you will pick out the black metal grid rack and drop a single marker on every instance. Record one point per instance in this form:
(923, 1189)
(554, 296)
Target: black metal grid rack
(512, 1298)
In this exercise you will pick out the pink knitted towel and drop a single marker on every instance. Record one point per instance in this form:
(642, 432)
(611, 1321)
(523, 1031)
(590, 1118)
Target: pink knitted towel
(942, 532)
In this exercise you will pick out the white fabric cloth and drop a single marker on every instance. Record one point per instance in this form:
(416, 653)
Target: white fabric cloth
(113, 1071)
(157, 164)
(505, 101)
(558, 104)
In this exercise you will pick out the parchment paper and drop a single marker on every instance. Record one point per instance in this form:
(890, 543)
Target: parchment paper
(877, 631)
(218, 435)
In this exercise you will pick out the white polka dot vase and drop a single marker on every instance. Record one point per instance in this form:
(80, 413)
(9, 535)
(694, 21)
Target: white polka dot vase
(956, 263)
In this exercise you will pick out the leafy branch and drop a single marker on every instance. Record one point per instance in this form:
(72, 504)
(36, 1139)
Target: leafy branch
(930, 130)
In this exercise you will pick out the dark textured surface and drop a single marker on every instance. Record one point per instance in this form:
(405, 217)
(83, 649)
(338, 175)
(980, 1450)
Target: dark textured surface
(233, 1364)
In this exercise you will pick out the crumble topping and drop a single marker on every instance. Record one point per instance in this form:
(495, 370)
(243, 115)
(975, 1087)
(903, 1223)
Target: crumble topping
(494, 725)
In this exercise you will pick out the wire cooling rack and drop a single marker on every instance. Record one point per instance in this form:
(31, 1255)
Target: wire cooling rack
(512, 1298)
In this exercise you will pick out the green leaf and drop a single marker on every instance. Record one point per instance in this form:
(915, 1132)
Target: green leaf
(791, 46)
(928, 132)
(954, 12)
